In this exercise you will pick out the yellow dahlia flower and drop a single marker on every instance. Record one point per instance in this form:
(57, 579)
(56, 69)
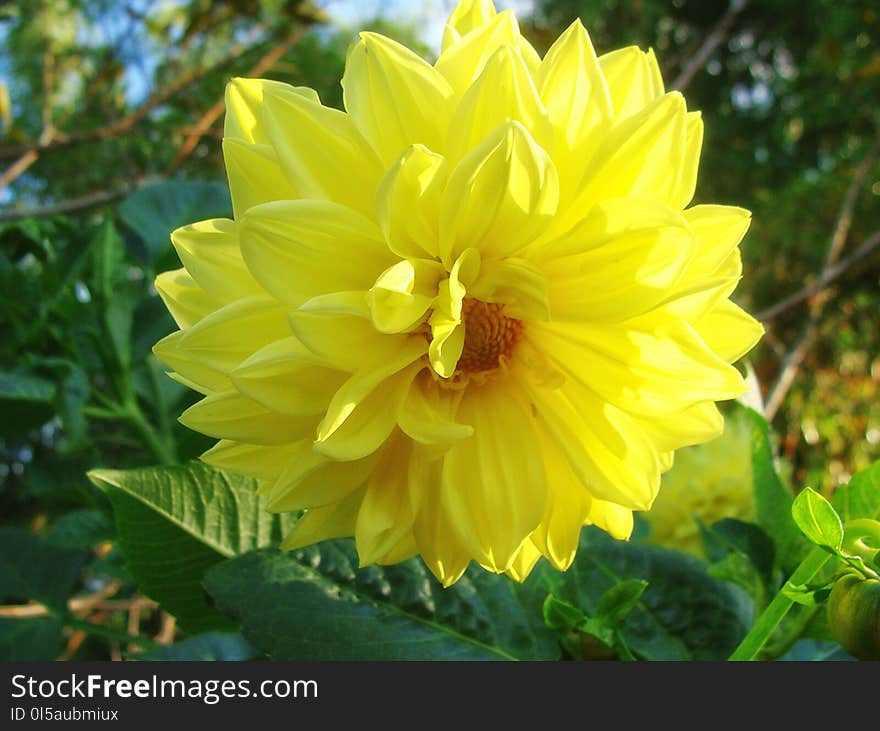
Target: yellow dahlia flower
(469, 314)
(707, 483)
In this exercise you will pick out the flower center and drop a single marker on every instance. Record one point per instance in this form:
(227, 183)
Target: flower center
(489, 336)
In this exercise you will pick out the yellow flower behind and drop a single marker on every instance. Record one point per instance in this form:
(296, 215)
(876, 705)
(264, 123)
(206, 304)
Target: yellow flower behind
(470, 314)
(707, 483)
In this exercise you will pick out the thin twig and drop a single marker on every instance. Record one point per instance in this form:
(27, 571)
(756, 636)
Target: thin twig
(70, 205)
(216, 110)
(713, 40)
(77, 605)
(830, 275)
(831, 269)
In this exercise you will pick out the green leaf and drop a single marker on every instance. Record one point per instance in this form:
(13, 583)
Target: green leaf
(806, 595)
(33, 568)
(737, 568)
(25, 402)
(559, 614)
(317, 605)
(860, 498)
(80, 529)
(30, 638)
(208, 647)
(174, 523)
(683, 614)
(615, 604)
(817, 519)
(154, 211)
(810, 650)
(732, 535)
(772, 500)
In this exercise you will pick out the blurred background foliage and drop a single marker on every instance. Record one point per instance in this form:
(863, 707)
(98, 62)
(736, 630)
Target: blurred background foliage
(110, 124)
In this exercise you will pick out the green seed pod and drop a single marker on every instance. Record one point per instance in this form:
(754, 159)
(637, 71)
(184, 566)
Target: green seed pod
(854, 615)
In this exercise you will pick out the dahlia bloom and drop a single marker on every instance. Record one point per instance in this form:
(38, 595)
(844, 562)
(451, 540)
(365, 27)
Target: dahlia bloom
(469, 314)
(708, 482)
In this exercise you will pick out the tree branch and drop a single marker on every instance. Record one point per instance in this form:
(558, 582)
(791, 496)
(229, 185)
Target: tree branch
(208, 119)
(713, 40)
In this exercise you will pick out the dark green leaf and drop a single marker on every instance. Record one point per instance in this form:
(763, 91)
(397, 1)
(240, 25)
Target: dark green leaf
(615, 604)
(25, 402)
(808, 650)
(861, 497)
(30, 638)
(731, 534)
(80, 529)
(817, 519)
(559, 614)
(772, 500)
(176, 522)
(208, 647)
(154, 211)
(33, 568)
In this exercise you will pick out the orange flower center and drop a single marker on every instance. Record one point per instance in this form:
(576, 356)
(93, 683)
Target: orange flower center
(489, 336)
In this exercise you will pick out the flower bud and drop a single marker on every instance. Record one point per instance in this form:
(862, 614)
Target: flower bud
(854, 615)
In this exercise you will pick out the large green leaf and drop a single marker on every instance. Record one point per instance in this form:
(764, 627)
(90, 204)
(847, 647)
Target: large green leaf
(860, 498)
(174, 523)
(316, 604)
(154, 211)
(30, 638)
(33, 568)
(25, 402)
(772, 500)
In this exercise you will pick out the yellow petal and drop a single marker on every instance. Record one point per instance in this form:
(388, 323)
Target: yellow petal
(408, 202)
(687, 176)
(524, 561)
(651, 365)
(695, 424)
(568, 504)
(633, 79)
(254, 175)
(233, 416)
(433, 529)
(494, 487)
(613, 519)
(254, 460)
(311, 480)
(427, 415)
(227, 336)
(209, 251)
(186, 301)
(203, 378)
(729, 331)
(244, 107)
(499, 197)
(640, 157)
(336, 520)
(719, 230)
(385, 516)
(285, 376)
(321, 151)
(344, 341)
(447, 335)
(364, 412)
(395, 97)
(304, 248)
(403, 293)
(467, 15)
(463, 61)
(606, 448)
(517, 284)
(632, 254)
(504, 91)
(574, 93)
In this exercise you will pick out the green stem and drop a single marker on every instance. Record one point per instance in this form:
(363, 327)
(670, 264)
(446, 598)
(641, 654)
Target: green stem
(775, 612)
(161, 450)
(110, 633)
